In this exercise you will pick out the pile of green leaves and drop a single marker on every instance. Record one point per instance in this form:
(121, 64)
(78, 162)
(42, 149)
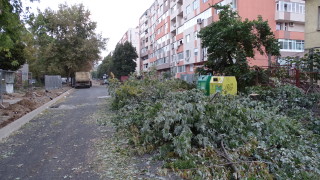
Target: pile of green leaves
(291, 101)
(219, 136)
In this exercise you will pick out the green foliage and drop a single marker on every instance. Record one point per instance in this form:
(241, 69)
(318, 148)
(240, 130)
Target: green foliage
(105, 67)
(230, 41)
(15, 59)
(66, 39)
(123, 58)
(181, 164)
(263, 138)
(292, 102)
(12, 31)
(310, 62)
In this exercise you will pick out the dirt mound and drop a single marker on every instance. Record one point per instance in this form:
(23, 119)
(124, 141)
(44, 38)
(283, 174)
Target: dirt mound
(30, 100)
(15, 111)
(27, 103)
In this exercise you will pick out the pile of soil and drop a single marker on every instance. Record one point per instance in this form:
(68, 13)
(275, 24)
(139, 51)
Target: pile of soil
(26, 102)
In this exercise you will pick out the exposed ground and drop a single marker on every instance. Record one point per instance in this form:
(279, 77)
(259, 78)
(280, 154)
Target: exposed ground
(17, 104)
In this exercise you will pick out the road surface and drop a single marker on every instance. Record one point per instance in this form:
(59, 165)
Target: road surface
(58, 143)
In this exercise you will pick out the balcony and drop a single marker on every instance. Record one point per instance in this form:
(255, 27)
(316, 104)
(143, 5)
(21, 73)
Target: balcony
(163, 66)
(289, 16)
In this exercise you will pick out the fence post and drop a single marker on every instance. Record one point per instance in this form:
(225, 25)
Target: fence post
(297, 72)
(311, 52)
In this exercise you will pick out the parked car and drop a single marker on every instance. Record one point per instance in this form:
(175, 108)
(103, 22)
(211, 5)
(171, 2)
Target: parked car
(64, 80)
(105, 81)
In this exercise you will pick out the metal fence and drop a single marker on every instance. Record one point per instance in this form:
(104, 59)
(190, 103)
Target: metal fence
(53, 82)
(190, 78)
(308, 81)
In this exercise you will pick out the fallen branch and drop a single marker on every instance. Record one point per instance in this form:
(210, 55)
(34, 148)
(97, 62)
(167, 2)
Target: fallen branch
(230, 163)
(239, 162)
(227, 164)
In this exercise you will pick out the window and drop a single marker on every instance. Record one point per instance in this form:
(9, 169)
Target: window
(291, 45)
(291, 7)
(234, 4)
(279, 26)
(174, 8)
(187, 53)
(196, 52)
(195, 4)
(188, 38)
(166, 3)
(180, 56)
(145, 66)
(204, 1)
(180, 42)
(191, 67)
(301, 9)
(286, 26)
(181, 69)
(173, 58)
(188, 9)
(196, 34)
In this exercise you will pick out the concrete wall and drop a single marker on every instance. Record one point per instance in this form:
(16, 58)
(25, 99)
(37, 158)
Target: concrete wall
(312, 31)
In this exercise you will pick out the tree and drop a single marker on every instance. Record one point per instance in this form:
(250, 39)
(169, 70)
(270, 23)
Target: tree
(230, 41)
(123, 59)
(66, 40)
(11, 31)
(105, 67)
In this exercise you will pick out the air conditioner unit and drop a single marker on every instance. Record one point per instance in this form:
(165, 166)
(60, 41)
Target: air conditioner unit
(199, 21)
(174, 25)
(291, 24)
(185, 18)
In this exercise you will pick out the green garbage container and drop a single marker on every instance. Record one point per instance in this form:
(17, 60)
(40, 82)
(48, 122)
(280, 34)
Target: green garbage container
(204, 83)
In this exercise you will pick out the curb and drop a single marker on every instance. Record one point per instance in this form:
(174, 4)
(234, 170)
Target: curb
(17, 124)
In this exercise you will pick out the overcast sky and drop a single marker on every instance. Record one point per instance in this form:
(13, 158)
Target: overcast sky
(113, 17)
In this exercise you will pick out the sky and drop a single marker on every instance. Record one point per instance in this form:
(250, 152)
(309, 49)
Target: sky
(113, 17)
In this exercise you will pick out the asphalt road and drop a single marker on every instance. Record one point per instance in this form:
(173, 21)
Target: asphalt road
(57, 144)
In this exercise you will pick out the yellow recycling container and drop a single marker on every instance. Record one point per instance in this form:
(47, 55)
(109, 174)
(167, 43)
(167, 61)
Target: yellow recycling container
(223, 85)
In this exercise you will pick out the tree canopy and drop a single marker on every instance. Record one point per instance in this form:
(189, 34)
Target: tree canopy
(66, 40)
(123, 59)
(105, 67)
(11, 32)
(230, 40)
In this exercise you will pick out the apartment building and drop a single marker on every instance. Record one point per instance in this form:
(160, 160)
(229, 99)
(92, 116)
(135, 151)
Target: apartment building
(168, 31)
(132, 35)
(312, 27)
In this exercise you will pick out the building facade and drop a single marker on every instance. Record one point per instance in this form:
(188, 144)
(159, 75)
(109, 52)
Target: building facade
(312, 28)
(132, 36)
(168, 31)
